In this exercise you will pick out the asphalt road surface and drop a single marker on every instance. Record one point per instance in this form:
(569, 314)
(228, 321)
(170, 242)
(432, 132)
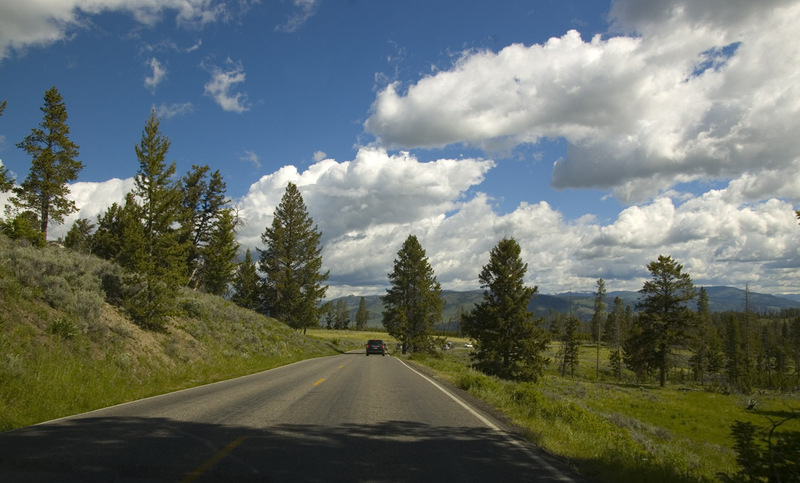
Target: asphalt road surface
(340, 418)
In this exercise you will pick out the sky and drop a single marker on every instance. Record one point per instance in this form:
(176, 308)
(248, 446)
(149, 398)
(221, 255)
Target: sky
(599, 135)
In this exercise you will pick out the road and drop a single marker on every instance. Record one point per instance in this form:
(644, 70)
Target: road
(340, 418)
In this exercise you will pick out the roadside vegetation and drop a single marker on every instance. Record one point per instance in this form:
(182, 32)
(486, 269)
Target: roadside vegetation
(614, 430)
(64, 349)
(619, 430)
(660, 393)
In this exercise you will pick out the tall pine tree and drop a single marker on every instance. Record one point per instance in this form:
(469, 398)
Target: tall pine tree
(292, 263)
(598, 319)
(665, 317)
(509, 340)
(203, 204)
(612, 334)
(705, 345)
(413, 303)
(342, 316)
(568, 355)
(219, 254)
(45, 191)
(362, 315)
(152, 247)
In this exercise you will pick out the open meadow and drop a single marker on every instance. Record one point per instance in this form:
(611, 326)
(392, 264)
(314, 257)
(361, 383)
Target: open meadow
(614, 430)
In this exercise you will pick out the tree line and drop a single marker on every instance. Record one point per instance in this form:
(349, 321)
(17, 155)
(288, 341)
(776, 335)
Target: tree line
(173, 232)
(734, 351)
(169, 232)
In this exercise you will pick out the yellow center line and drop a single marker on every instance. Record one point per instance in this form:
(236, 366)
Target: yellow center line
(213, 461)
(319, 381)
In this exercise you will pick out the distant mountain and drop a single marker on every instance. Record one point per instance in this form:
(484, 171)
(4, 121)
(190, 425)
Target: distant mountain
(723, 299)
(720, 299)
(794, 297)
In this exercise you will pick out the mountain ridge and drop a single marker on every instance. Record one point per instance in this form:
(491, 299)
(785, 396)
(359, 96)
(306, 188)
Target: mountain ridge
(721, 299)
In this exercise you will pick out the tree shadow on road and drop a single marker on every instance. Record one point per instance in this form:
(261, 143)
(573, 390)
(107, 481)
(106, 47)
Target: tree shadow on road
(159, 449)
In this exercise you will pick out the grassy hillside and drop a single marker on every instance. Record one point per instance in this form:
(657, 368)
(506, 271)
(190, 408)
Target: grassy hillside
(64, 349)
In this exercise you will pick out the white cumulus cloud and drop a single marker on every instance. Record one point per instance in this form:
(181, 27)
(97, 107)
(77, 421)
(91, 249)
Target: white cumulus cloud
(365, 208)
(42, 22)
(686, 91)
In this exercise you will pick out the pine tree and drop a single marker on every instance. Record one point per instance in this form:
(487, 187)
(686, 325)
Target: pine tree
(292, 263)
(219, 255)
(706, 347)
(152, 249)
(328, 312)
(6, 181)
(733, 354)
(45, 190)
(667, 319)
(598, 319)
(612, 334)
(203, 202)
(568, 355)
(24, 226)
(413, 303)
(79, 236)
(509, 340)
(637, 349)
(342, 316)
(159, 197)
(362, 315)
(246, 284)
(107, 241)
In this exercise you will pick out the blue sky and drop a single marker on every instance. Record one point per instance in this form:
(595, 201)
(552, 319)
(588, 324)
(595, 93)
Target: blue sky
(598, 134)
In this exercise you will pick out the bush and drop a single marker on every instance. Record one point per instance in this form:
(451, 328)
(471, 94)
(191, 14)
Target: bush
(149, 301)
(22, 230)
(64, 328)
(65, 280)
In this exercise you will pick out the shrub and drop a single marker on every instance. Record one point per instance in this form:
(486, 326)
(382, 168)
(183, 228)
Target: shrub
(192, 308)
(63, 327)
(470, 380)
(113, 287)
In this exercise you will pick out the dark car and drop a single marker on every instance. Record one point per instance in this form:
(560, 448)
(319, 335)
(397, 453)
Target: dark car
(376, 346)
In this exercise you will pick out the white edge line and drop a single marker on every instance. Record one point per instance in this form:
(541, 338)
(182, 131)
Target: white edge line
(558, 474)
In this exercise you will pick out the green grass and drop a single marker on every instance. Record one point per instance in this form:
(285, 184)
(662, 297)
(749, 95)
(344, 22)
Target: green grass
(348, 340)
(613, 431)
(64, 350)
